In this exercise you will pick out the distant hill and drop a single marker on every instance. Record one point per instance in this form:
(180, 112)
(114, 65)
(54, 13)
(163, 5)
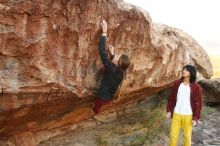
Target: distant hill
(215, 60)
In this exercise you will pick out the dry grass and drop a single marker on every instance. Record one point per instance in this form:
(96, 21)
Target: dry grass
(125, 129)
(129, 128)
(101, 141)
(148, 125)
(206, 110)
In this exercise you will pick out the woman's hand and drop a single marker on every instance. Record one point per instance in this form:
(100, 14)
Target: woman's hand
(168, 114)
(194, 123)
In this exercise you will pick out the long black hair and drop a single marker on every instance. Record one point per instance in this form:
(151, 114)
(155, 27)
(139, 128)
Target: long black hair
(192, 70)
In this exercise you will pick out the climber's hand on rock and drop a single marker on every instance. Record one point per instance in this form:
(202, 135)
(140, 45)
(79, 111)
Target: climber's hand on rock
(111, 49)
(104, 26)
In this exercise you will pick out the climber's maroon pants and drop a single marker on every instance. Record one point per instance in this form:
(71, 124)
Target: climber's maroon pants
(99, 103)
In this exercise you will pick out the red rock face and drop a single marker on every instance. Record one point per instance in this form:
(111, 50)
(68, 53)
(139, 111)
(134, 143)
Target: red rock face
(50, 66)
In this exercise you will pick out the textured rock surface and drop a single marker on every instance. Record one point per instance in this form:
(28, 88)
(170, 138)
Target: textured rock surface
(52, 136)
(50, 66)
(211, 89)
(208, 131)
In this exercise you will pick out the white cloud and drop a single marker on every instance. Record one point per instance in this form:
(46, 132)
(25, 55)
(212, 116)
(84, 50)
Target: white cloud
(199, 18)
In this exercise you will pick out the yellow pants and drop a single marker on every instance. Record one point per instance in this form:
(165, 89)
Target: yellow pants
(178, 122)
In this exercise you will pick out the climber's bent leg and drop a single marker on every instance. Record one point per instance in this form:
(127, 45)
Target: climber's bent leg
(99, 103)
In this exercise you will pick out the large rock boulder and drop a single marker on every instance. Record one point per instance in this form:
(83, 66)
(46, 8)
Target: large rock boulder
(50, 65)
(211, 89)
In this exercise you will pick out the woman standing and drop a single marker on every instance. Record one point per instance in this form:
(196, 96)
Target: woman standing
(184, 105)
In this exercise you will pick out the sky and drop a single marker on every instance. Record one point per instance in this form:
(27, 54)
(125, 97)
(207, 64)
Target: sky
(199, 18)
